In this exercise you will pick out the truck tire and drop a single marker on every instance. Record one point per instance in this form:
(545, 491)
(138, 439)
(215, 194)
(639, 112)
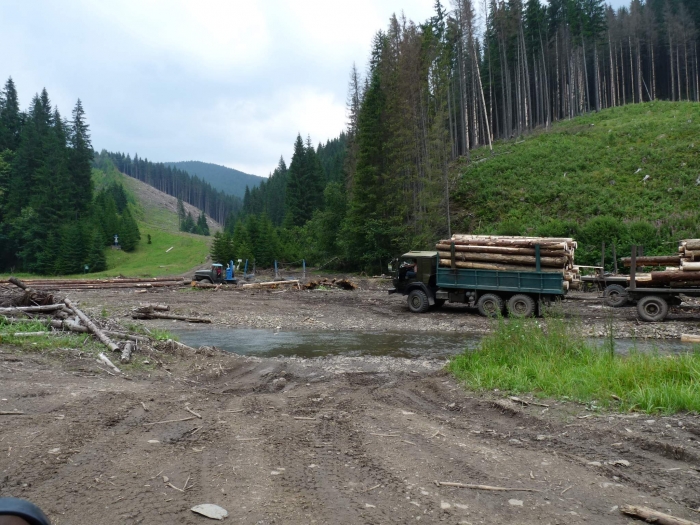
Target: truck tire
(490, 305)
(418, 301)
(615, 295)
(652, 308)
(521, 305)
(207, 280)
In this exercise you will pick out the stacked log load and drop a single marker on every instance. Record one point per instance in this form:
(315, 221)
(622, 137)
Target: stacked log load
(509, 253)
(679, 271)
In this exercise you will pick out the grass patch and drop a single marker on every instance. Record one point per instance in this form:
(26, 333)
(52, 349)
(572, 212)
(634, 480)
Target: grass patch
(552, 359)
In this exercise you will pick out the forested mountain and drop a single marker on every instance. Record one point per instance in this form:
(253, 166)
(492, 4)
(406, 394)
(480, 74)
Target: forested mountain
(176, 182)
(228, 180)
(49, 223)
(436, 90)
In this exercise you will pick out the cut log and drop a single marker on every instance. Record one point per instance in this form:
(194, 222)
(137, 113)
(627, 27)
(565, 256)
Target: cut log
(271, 284)
(31, 309)
(156, 315)
(661, 260)
(176, 345)
(690, 338)
(690, 266)
(126, 352)
(507, 250)
(73, 327)
(653, 516)
(500, 267)
(30, 334)
(556, 262)
(691, 244)
(93, 328)
(109, 363)
(159, 307)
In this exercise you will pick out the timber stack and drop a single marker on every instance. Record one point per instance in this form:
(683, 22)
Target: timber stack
(675, 271)
(102, 284)
(510, 253)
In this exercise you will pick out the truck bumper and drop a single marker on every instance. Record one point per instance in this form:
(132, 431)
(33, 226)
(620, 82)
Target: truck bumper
(393, 290)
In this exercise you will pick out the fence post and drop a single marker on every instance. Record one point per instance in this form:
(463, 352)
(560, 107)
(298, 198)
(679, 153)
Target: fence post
(303, 265)
(276, 273)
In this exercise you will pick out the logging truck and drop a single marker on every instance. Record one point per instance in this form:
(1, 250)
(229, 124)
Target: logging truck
(429, 284)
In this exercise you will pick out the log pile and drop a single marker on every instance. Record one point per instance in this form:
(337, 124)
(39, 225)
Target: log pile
(680, 271)
(9, 295)
(507, 253)
(101, 284)
(343, 284)
(64, 316)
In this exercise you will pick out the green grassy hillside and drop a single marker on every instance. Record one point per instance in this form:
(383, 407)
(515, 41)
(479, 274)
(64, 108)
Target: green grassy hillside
(585, 178)
(155, 215)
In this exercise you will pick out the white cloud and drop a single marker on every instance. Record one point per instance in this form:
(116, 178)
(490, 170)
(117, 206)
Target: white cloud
(229, 82)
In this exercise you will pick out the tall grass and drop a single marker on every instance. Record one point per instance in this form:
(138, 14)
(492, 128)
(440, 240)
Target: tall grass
(552, 359)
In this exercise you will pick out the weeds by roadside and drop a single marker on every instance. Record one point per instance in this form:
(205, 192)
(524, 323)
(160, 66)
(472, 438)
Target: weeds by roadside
(553, 359)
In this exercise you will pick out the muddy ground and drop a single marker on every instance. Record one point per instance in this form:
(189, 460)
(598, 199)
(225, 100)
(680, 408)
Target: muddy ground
(331, 440)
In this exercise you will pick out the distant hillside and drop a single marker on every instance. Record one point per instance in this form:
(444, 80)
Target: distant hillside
(625, 175)
(228, 180)
(171, 251)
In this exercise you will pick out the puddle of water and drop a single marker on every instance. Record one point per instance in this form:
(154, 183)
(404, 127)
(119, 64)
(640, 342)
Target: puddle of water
(271, 343)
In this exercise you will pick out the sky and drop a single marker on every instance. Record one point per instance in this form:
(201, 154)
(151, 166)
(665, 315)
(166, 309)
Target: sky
(222, 81)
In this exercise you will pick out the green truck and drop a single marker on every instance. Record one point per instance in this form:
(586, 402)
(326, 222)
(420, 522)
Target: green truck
(418, 275)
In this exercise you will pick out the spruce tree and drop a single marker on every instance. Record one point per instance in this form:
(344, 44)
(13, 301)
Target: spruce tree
(96, 259)
(79, 159)
(181, 214)
(10, 118)
(202, 227)
(295, 192)
(129, 234)
(188, 225)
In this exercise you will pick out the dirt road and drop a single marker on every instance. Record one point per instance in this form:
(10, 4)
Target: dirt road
(332, 440)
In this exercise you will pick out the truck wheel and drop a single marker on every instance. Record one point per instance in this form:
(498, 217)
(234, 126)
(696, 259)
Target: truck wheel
(652, 308)
(207, 280)
(438, 303)
(521, 305)
(418, 301)
(615, 295)
(490, 305)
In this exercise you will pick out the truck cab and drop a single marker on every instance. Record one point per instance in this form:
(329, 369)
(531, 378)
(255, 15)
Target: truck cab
(414, 275)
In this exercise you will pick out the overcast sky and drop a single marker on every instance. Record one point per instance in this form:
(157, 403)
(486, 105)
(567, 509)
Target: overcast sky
(229, 82)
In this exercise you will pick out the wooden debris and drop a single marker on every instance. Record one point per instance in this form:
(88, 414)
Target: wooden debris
(270, 284)
(653, 516)
(126, 352)
(146, 312)
(690, 338)
(109, 363)
(193, 412)
(31, 309)
(169, 421)
(98, 333)
(305, 418)
(483, 487)
(5, 413)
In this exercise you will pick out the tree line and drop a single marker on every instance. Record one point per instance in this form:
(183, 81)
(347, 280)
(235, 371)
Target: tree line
(178, 183)
(49, 223)
(435, 90)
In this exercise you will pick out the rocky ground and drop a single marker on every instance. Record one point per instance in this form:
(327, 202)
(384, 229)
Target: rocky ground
(331, 440)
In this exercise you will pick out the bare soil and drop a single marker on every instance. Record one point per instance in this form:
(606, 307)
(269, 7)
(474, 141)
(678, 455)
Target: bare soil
(330, 440)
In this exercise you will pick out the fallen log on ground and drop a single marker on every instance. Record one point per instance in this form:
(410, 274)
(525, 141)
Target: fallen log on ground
(31, 309)
(179, 346)
(93, 328)
(29, 297)
(126, 352)
(149, 313)
(483, 487)
(690, 338)
(344, 284)
(653, 516)
(126, 280)
(73, 327)
(109, 363)
(159, 307)
(271, 284)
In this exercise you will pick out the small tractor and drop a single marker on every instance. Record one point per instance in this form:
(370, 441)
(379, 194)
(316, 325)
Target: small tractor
(216, 274)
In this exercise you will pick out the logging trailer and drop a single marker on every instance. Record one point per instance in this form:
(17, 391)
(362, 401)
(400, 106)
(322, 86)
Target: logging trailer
(418, 275)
